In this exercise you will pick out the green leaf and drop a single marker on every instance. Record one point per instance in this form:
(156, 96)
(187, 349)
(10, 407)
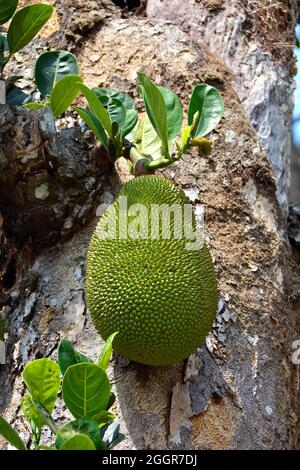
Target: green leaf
(147, 141)
(86, 389)
(111, 400)
(25, 25)
(31, 412)
(17, 97)
(130, 122)
(93, 123)
(185, 140)
(106, 352)
(104, 417)
(68, 356)
(130, 136)
(42, 379)
(10, 435)
(209, 103)
(64, 93)
(156, 108)
(117, 112)
(174, 112)
(82, 357)
(131, 114)
(46, 416)
(97, 108)
(34, 105)
(78, 442)
(85, 426)
(115, 129)
(51, 67)
(109, 93)
(7, 9)
(185, 136)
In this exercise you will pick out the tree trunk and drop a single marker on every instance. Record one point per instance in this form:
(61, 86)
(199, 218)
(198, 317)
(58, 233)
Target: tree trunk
(241, 389)
(255, 40)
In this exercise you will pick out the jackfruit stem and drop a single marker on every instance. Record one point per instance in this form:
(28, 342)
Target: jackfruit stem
(136, 156)
(149, 165)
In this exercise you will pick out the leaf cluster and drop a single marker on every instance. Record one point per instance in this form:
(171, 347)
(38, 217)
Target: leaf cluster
(86, 393)
(152, 138)
(150, 141)
(24, 25)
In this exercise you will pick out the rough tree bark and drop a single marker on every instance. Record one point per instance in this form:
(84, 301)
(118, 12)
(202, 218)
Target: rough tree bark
(240, 390)
(255, 40)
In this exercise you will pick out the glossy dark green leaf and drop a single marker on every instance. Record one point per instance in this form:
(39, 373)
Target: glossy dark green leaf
(7, 9)
(42, 378)
(10, 435)
(85, 425)
(106, 94)
(174, 112)
(97, 108)
(155, 107)
(86, 389)
(208, 102)
(92, 122)
(51, 67)
(115, 129)
(26, 24)
(17, 97)
(64, 93)
(106, 352)
(130, 122)
(116, 111)
(82, 357)
(109, 93)
(68, 356)
(78, 442)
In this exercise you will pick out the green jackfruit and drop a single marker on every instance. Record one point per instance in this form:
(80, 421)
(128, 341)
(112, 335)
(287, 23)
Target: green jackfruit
(160, 296)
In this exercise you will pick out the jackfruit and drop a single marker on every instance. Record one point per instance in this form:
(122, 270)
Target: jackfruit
(159, 294)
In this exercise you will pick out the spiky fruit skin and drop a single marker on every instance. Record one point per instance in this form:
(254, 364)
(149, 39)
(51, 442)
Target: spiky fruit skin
(158, 295)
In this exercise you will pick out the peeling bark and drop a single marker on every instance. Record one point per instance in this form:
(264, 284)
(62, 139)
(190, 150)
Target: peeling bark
(239, 391)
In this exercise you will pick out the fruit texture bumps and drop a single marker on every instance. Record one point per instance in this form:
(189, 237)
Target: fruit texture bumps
(160, 296)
